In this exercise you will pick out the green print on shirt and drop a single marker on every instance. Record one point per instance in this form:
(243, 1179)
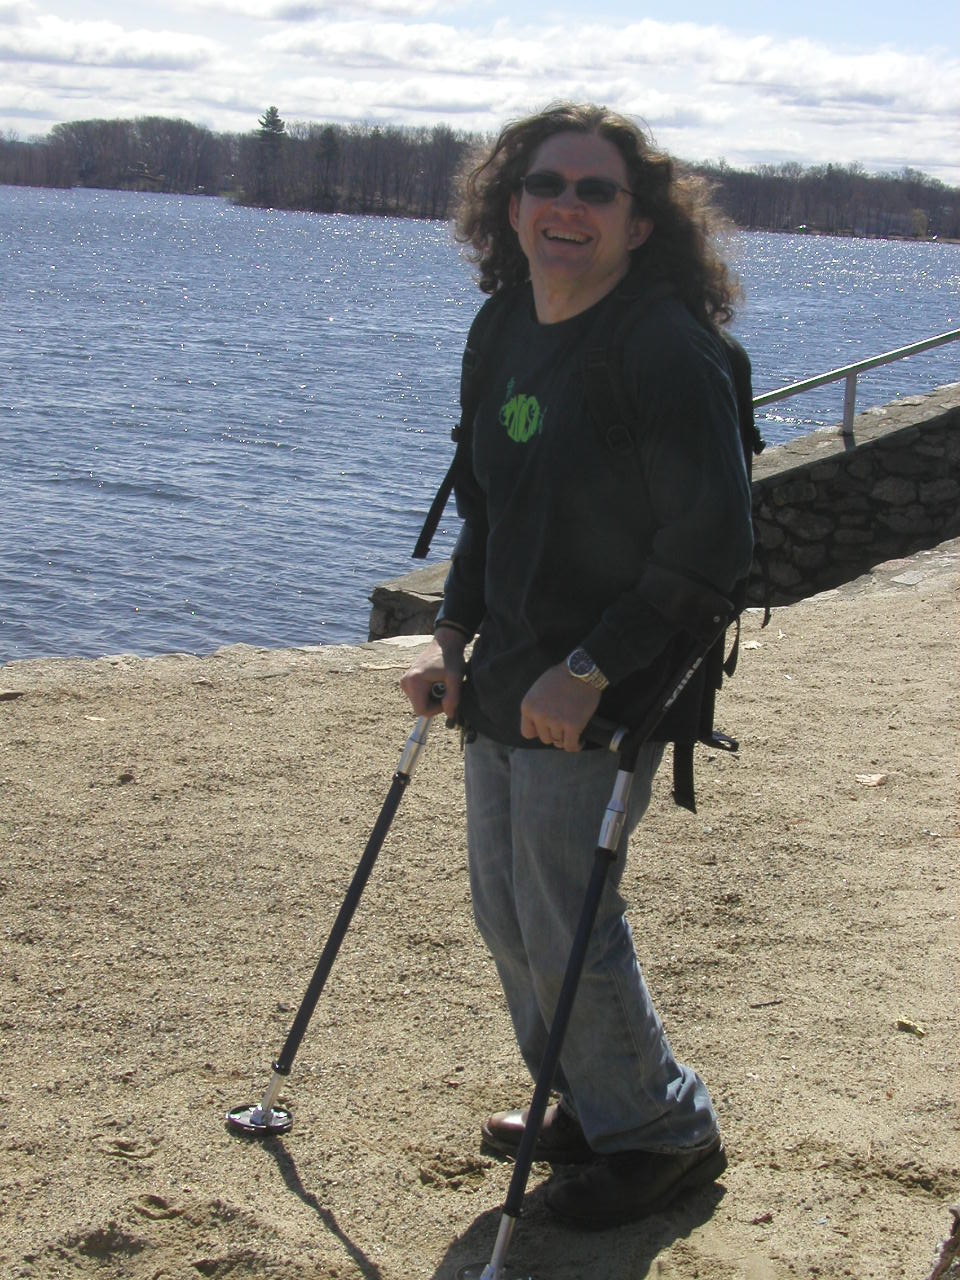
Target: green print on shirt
(522, 416)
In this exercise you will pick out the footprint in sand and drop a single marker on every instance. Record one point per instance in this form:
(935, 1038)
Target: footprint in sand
(129, 1148)
(156, 1208)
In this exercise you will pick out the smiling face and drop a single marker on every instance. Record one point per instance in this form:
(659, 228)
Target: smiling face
(577, 252)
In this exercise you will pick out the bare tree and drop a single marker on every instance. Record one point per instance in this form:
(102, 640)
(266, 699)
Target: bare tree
(411, 173)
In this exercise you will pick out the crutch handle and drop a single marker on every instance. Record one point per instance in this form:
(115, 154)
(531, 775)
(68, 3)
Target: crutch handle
(604, 733)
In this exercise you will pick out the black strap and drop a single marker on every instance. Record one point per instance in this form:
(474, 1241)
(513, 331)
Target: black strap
(683, 793)
(610, 407)
(474, 360)
(435, 513)
(615, 423)
(742, 373)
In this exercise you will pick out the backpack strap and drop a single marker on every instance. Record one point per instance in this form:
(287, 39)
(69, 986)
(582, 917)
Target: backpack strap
(683, 789)
(472, 369)
(615, 423)
(742, 373)
(435, 513)
(610, 406)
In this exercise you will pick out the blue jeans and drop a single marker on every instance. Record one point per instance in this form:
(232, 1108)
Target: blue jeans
(533, 821)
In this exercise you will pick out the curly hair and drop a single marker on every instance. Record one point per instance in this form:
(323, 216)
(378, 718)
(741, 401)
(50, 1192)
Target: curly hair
(682, 247)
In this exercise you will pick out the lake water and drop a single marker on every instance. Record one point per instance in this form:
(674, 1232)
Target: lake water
(224, 425)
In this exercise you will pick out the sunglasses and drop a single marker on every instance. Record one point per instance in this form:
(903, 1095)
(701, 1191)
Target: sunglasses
(544, 184)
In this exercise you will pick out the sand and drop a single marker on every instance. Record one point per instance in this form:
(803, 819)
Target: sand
(178, 834)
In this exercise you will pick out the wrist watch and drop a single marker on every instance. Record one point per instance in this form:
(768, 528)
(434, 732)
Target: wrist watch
(582, 667)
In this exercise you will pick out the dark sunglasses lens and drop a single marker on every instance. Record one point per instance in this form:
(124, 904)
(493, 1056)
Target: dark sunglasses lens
(543, 185)
(596, 190)
(547, 186)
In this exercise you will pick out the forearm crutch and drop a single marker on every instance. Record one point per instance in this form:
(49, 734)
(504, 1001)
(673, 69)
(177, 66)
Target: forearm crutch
(264, 1118)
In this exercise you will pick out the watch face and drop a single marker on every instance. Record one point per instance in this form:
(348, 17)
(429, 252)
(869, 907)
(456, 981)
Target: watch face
(580, 663)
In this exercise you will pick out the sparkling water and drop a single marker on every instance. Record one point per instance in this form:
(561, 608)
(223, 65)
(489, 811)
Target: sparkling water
(224, 425)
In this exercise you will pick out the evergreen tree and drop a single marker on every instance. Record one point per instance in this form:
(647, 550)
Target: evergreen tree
(272, 128)
(271, 136)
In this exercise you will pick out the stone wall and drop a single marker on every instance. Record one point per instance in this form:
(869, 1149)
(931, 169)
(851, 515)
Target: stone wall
(408, 605)
(827, 509)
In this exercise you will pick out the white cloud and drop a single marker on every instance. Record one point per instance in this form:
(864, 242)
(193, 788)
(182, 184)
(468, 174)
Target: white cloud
(308, 10)
(704, 91)
(13, 12)
(796, 72)
(52, 41)
(297, 11)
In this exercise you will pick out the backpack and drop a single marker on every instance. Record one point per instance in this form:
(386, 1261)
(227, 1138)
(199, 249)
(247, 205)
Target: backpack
(614, 422)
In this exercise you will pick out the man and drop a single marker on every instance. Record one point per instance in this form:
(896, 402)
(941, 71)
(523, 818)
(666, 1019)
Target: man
(576, 569)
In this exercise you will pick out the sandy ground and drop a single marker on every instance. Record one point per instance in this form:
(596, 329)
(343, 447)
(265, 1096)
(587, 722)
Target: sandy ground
(178, 834)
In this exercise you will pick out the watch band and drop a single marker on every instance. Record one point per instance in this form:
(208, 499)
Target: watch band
(582, 667)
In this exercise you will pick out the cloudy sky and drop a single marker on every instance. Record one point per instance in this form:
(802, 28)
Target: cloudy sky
(755, 81)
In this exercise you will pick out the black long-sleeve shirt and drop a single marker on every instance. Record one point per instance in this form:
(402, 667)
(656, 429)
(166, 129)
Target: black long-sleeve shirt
(568, 543)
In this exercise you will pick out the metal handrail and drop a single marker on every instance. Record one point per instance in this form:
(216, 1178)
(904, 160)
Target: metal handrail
(849, 372)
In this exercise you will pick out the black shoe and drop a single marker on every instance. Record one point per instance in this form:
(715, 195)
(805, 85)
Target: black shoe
(561, 1139)
(628, 1185)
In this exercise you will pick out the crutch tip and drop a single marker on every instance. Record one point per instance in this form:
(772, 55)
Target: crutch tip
(255, 1122)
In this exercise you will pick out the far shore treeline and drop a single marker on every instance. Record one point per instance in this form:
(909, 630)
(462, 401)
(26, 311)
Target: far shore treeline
(411, 172)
